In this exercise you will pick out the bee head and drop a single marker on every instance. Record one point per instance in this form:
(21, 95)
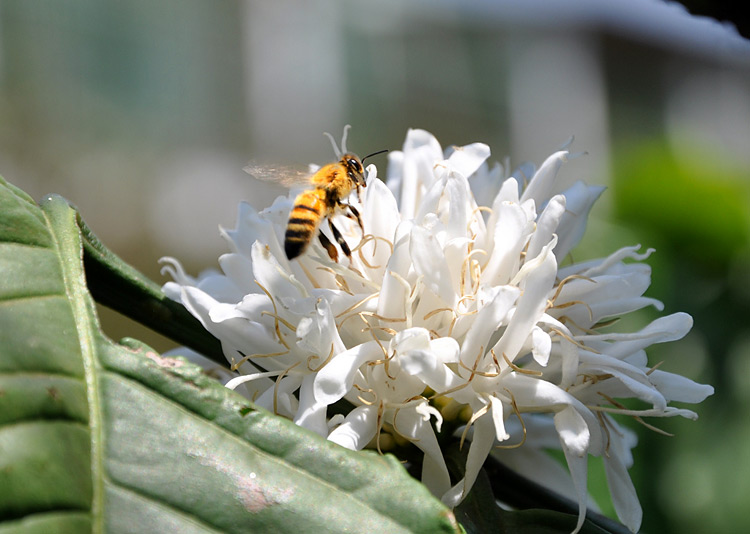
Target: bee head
(354, 168)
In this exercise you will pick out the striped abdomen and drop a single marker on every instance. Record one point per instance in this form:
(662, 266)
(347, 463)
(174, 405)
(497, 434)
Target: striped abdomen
(309, 209)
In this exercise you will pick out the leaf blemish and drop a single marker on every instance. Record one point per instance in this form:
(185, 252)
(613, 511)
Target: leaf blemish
(165, 361)
(254, 493)
(255, 497)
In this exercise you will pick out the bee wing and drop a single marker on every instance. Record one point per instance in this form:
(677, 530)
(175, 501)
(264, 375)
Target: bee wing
(286, 175)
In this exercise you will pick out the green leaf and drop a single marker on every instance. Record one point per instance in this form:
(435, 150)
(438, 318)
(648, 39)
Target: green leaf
(117, 285)
(104, 437)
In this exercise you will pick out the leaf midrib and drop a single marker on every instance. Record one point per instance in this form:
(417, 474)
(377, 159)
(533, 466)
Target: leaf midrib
(67, 244)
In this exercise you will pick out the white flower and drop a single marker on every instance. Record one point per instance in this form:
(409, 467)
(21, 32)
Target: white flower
(455, 296)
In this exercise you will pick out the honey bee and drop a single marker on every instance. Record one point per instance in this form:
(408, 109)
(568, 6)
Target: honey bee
(331, 185)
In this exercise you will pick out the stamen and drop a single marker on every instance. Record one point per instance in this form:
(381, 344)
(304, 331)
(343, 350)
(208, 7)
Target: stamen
(520, 420)
(395, 416)
(275, 314)
(276, 387)
(438, 310)
(358, 304)
(635, 417)
(372, 333)
(610, 322)
(309, 275)
(475, 211)
(518, 369)
(447, 392)
(237, 365)
(605, 427)
(366, 391)
(316, 357)
(379, 427)
(565, 320)
(654, 368)
(389, 331)
(340, 280)
(575, 342)
(366, 239)
(474, 417)
(407, 287)
(469, 311)
(283, 321)
(551, 305)
(385, 319)
(473, 370)
(570, 279)
(469, 263)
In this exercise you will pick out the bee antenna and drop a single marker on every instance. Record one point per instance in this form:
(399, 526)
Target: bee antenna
(343, 138)
(336, 149)
(374, 154)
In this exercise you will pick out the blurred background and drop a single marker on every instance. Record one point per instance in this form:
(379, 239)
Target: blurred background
(144, 113)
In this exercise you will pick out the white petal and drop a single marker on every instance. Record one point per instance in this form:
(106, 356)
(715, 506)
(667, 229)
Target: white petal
(421, 151)
(598, 267)
(249, 228)
(578, 202)
(395, 178)
(395, 289)
(461, 208)
(570, 357)
(481, 444)
(661, 330)
(431, 200)
(679, 388)
(412, 425)
(467, 159)
(337, 377)
(531, 392)
(623, 493)
(410, 339)
(430, 366)
(280, 398)
(486, 322)
(498, 418)
(511, 232)
(429, 262)
(274, 278)
(546, 225)
(380, 218)
(238, 269)
(317, 333)
(541, 346)
(578, 467)
(311, 414)
(541, 186)
(358, 428)
(573, 430)
(530, 307)
(239, 333)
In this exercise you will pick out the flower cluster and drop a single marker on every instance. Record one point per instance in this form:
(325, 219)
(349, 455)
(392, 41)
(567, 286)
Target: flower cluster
(456, 299)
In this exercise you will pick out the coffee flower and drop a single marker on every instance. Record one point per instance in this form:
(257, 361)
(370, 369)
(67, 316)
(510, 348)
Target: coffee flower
(457, 298)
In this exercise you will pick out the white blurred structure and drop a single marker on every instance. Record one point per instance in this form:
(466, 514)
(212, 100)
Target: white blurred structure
(110, 104)
(527, 75)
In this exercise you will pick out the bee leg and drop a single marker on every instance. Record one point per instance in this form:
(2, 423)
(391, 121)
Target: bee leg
(330, 247)
(354, 214)
(340, 239)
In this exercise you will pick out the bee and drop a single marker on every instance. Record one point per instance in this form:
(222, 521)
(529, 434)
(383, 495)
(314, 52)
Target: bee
(331, 185)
